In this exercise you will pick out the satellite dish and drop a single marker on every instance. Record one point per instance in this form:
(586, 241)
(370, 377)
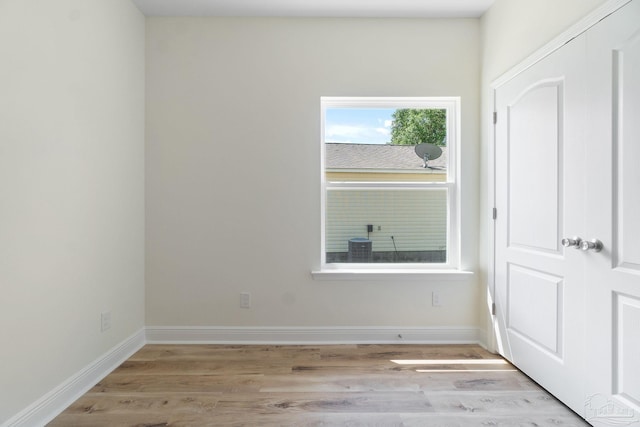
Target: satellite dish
(428, 152)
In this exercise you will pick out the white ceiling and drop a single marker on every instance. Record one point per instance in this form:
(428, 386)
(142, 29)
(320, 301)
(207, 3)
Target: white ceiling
(317, 8)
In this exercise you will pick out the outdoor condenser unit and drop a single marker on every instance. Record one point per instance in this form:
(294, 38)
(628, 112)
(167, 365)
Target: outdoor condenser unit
(360, 250)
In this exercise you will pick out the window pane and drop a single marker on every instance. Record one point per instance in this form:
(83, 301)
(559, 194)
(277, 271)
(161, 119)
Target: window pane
(385, 145)
(407, 225)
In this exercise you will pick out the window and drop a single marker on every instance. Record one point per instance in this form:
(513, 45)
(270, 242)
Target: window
(390, 200)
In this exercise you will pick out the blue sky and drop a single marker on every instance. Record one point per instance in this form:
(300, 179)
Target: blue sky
(360, 126)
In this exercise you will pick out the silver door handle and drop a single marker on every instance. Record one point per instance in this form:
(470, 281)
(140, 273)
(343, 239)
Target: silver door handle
(574, 242)
(591, 245)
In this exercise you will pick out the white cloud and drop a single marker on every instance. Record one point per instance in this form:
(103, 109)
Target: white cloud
(356, 134)
(343, 131)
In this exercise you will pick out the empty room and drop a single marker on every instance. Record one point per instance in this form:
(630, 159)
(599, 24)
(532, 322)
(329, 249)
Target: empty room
(304, 212)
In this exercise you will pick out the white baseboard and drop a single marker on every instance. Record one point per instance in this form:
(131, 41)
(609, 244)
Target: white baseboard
(311, 335)
(57, 400)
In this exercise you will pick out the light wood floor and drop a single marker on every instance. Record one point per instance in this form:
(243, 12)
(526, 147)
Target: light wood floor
(346, 385)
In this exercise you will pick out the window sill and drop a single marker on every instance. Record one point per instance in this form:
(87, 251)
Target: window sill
(389, 274)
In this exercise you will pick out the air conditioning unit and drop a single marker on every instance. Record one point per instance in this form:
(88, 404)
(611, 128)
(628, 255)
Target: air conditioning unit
(360, 250)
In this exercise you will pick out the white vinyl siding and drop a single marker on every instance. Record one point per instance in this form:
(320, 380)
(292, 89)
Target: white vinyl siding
(417, 219)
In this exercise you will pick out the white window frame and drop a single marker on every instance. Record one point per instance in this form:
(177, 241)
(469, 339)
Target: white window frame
(446, 271)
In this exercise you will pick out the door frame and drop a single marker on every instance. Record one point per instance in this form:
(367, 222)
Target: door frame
(575, 30)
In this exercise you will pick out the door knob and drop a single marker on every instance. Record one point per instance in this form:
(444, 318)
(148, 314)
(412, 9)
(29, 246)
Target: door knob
(574, 242)
(591, 245)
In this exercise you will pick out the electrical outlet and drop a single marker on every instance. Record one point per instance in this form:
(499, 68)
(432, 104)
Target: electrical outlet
(435, 299)
(379, 228)
(245, 300)
(105, 321)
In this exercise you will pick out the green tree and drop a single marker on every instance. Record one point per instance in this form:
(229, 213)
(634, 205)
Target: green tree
(413, 127)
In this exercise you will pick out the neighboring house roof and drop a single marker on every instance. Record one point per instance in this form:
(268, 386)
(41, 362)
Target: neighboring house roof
(378, 156)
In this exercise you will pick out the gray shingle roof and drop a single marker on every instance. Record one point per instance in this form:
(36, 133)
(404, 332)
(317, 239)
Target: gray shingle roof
(378, 156)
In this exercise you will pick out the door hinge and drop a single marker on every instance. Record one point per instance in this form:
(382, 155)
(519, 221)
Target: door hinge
(493, 308)
(495, 117)
(495, 213)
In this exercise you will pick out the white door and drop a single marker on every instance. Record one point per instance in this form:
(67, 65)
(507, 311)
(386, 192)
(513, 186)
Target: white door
(568, 164)
(612, 174)
(539, 288)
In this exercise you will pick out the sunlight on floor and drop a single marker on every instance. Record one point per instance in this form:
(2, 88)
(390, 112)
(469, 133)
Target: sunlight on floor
(465, 370)
(452, 362)
(446, 363)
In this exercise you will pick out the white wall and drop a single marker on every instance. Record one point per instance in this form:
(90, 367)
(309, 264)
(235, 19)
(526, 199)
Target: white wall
(511, 31)
(514, 29)
(233, 165)
(71, 188)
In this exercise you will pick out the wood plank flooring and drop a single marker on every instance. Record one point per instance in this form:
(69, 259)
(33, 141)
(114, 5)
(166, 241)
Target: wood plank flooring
(333, 385)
